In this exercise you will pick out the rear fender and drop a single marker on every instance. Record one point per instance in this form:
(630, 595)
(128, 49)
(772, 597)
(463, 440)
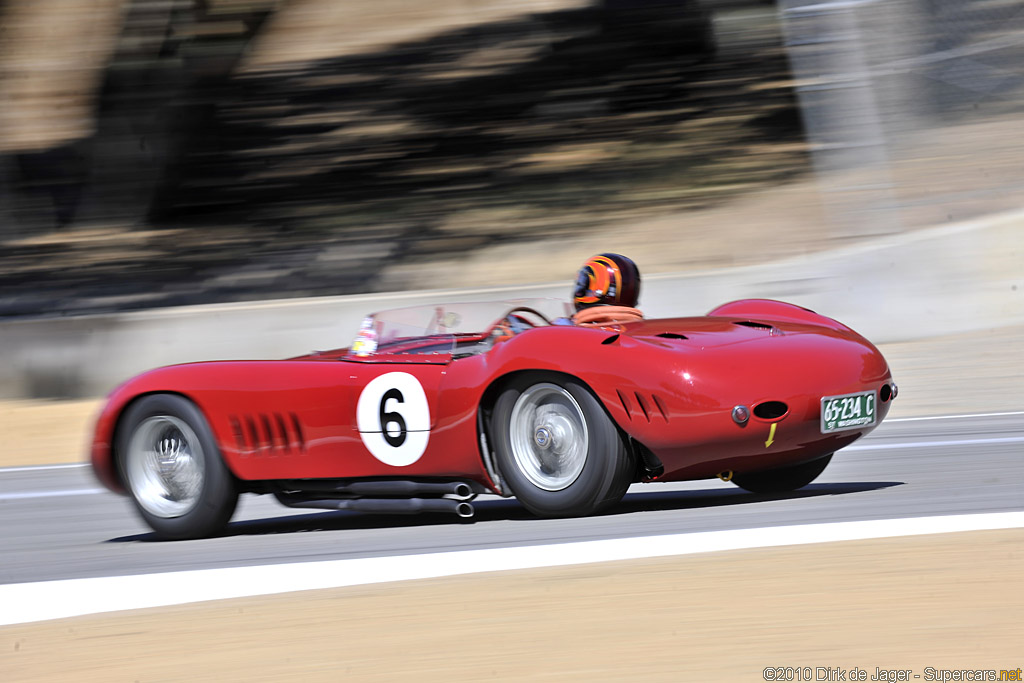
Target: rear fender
(494, 390)
(768, 310)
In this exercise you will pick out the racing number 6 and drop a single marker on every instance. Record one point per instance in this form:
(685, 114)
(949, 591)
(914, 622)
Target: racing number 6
(393, 417)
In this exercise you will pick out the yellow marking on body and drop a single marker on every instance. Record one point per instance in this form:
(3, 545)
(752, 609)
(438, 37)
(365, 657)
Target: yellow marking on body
(771, 435)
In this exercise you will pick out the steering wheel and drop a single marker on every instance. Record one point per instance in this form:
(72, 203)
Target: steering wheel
(531, 311)
(503, 330)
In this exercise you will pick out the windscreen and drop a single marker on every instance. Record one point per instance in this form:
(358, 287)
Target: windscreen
(453, 329)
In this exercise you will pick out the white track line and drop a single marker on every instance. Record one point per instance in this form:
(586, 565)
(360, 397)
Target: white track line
(965, 416)
(25, 495)
(41, 468)
(933, 444)
(28, 602)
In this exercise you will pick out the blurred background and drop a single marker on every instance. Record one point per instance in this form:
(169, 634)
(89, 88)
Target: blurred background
(198, 179)
(159, 153)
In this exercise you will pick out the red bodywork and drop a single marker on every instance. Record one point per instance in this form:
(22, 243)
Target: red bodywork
(670, 384)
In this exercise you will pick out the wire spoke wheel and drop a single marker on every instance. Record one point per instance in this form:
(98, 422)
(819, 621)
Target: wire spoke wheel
(549, 436)
(171, 464)
(165, 466)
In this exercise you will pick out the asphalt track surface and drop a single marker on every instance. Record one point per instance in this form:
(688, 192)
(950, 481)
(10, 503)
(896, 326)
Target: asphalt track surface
(58, 524)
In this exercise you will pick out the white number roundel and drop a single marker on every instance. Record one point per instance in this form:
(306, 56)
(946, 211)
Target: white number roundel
(393, 418)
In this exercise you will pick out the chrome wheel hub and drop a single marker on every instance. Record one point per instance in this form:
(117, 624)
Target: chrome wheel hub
(549, 436)
(164, 466)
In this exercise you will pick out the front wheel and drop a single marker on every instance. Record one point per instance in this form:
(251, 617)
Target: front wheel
(560, 453)
(173, 469)
(782, 479)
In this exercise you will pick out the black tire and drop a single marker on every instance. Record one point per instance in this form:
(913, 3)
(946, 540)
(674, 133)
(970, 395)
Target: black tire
(173, 469)
(782, 479)
(581, 480)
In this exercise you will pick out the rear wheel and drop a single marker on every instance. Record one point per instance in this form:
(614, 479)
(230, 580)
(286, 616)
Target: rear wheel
(783, 478)
(173, 469)
(560, 453)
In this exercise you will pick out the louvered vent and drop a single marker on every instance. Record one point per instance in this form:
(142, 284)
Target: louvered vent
(269, 433)
(639, 405)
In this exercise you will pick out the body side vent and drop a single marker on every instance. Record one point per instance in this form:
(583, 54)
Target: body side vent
(647, 405)
(625, 404)
(300, 439)
(282, 429)
(643, 405)
(268, 432)
(236, 429)
(660, 406)
(250, 431)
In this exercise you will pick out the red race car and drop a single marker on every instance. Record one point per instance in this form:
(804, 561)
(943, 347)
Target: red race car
(431, 406)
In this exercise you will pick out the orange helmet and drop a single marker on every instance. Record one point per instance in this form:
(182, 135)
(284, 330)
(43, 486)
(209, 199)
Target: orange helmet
(607, 279)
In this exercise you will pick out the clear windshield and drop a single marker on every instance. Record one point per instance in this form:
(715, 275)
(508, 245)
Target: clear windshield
(463, 328)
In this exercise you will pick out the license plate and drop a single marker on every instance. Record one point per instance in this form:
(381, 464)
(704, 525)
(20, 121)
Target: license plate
(848, 411)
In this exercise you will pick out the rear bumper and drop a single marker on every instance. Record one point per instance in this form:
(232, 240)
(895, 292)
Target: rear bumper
(704, 446)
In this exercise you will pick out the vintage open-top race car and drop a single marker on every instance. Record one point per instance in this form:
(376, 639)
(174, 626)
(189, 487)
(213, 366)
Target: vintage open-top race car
(433, 405)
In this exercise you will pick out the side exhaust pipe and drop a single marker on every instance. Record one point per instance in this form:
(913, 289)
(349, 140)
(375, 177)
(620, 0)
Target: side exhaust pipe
(397, 488)
(387, 506)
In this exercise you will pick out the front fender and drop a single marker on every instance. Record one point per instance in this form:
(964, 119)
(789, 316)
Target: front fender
(101, 450)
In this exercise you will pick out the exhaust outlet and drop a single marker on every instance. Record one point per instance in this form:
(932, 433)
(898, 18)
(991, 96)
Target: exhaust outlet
(462, 491)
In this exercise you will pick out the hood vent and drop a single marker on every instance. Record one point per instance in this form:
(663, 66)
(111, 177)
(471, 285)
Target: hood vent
(671, 335)
(770, 329)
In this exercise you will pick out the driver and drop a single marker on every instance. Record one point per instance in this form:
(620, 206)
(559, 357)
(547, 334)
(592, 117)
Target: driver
(606, 292)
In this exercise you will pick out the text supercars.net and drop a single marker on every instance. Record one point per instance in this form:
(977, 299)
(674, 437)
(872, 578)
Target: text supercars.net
(838, 674)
